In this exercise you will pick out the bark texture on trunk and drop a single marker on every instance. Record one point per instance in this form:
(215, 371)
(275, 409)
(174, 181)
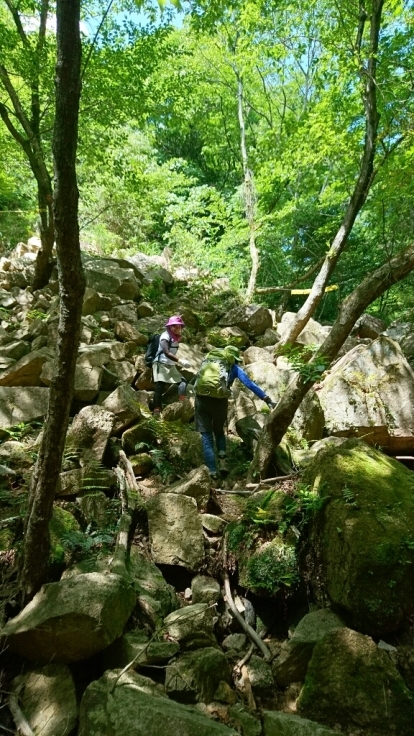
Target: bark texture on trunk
(365, 178)
(34, 570)
(352, 307)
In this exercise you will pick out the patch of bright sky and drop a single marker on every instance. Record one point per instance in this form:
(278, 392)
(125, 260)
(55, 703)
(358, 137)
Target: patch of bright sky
(90, 25)
(139, 18)
(31, 24)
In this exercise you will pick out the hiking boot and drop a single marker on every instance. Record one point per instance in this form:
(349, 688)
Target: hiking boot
(222, 466)
(214, 479)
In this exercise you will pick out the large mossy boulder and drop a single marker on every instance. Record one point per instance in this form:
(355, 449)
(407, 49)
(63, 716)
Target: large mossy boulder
(136, 706)
(363, 538)
(71, 620)
(292, 663)
(354, 683)
(276, 723)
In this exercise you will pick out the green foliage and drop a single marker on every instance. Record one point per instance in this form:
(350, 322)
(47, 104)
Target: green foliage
(19, 431)
(349, 497)
(273, 566)
(266, 537)
(162, 465)
(91, 540)
(298, 358)
(33, 314)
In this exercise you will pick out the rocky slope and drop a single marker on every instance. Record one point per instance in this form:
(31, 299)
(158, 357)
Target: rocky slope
(299, 623)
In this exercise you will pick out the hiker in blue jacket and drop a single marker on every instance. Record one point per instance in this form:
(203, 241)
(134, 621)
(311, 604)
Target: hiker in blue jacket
(211, 413)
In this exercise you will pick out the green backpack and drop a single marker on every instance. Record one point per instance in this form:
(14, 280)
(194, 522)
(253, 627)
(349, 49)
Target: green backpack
(212, 378)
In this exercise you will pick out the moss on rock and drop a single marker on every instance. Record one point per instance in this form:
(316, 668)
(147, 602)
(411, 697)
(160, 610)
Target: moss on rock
(352, 682)
(61, 524)
(363, 538)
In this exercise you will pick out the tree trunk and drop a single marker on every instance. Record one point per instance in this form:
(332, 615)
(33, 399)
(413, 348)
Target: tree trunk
(72, 285)
(352, 307)
(365, 177)
(31, 142)
(249, 193)
(44, 261)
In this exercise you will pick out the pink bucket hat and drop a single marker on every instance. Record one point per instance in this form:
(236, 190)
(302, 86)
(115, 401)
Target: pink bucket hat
(175, 320)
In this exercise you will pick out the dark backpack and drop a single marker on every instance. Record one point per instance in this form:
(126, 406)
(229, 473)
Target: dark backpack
(213, 376)
(153, 349)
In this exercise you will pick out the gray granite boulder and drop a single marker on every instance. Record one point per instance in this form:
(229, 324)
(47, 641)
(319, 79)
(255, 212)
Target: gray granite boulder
(370, 393)
(101, 353)
(125, 331)
(369, 326)
(135, 646)
(251, 318)
(260, 676)
(192, 626)
(176, 534)
(255, 354)
(196, 485)
(94, 302)
(26, 371)
(194, 676)
(205, 589)
(47, 698)
(105, 277)
(312, 334)
(22, 404)
(90, 432)
(72, 619)
(16, 349)
(124, 404)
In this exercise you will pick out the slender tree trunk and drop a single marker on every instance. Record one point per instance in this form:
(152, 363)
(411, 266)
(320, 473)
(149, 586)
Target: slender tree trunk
(249, 193)
(72, 285)
(365, 177)
(31, 142)
(44, 261)
(352, 307)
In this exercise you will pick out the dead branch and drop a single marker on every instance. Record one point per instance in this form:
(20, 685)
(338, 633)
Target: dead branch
(254, 486)
(19, 718)
(251, 633)
(251, 703)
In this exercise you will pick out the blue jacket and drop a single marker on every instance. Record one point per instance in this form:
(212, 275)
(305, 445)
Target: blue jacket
(237, 372)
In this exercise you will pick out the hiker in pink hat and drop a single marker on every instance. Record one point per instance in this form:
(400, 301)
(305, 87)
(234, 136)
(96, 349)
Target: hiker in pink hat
(165, 366)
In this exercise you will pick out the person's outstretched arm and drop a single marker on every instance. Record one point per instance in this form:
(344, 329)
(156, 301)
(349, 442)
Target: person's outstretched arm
(237, 372)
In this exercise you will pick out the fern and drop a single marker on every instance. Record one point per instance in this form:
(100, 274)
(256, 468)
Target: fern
(349, 497)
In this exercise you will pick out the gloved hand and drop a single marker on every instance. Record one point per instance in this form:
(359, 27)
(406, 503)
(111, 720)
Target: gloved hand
(271, 404)
(182, 363)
